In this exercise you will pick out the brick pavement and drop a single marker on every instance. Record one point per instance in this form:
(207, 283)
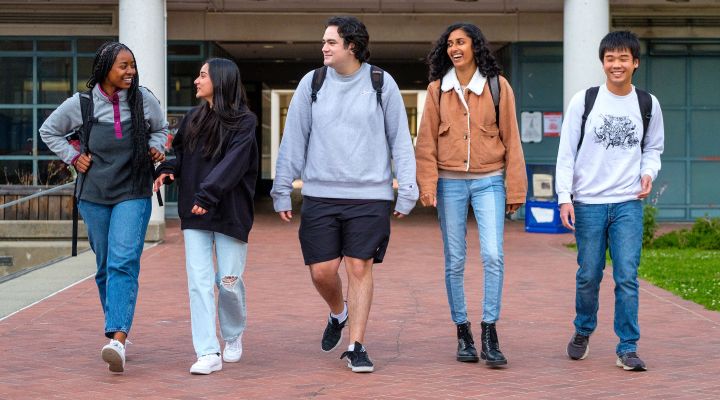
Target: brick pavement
(51, 350)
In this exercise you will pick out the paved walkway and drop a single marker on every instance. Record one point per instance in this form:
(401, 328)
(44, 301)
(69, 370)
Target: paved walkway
(51, 350)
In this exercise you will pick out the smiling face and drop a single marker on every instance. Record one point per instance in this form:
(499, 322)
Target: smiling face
(335, 54)
(204, 85)
(460, 50)
(121, 74)
(619, 66)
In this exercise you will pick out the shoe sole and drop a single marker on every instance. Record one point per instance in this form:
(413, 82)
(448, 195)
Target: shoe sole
(620, 364)
(587, 351)
(360, 369)
(231, 360)
(339, 342)
(205, 371)
(493, 363)
(114, 360)
(468, 359)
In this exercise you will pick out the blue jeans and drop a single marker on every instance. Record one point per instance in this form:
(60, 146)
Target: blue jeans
(202, 280)
(618, 227)
(117, 235)
(487, 197)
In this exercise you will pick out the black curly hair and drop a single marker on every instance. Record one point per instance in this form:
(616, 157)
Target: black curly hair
(104, 60)
(440, 62)
(352, 30)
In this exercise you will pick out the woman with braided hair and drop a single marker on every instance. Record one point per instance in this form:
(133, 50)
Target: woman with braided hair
(127, 133)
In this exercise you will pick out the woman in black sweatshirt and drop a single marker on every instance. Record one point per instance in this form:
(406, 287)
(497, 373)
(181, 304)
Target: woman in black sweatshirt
(215, 167)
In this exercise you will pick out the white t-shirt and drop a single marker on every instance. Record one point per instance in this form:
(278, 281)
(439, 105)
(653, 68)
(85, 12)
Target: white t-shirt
(610, 163)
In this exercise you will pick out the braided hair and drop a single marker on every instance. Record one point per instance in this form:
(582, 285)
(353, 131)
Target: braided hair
(102, 64)
(440, 62)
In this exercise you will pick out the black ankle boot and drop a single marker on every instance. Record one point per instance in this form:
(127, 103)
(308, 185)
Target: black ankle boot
(490, 347)
(466, 351)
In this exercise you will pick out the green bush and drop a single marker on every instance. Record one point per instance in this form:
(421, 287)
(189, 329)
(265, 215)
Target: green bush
(649, 224)
(704, 234)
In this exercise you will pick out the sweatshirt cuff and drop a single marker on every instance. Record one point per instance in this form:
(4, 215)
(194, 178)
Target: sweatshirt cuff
(564, 198)
(72, 162)
(652, 174)
(282, 204)
(404, 206)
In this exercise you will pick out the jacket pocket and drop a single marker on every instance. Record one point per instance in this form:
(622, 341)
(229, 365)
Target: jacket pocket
(487, 148)
(444, 129)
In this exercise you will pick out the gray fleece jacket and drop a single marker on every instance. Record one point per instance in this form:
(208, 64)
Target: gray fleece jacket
(67, 117)
(344, 146)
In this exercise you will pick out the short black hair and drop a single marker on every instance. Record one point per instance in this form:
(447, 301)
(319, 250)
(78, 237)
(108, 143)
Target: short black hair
(352, 30)
(620, 40)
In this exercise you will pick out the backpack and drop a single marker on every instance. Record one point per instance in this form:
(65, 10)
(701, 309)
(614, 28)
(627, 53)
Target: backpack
(376, 77)
(494, 83)
(644, 101)
(87, 111)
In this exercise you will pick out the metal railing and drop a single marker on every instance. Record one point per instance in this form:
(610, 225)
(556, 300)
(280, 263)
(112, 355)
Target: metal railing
(38, 194)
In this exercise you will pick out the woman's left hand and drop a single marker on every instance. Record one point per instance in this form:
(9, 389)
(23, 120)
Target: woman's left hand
(156, 155)
(197, 210)
(511, 208)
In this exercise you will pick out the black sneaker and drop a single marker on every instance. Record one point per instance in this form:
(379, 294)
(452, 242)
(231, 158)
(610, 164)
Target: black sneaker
(579, 347)
(358, 359)
(332, 337)
(630, 362)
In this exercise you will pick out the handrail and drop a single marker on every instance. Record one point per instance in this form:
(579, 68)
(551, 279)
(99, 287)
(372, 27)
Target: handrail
(38, 194)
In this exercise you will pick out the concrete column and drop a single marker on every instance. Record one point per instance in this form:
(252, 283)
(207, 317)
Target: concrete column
(143, 28)
(585, 23)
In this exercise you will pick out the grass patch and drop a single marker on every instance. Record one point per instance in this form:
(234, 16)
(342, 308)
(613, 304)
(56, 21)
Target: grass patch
(692, 274)
(689, 273)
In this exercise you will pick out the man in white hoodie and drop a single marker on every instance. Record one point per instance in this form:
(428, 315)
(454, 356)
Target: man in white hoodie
(608, 157)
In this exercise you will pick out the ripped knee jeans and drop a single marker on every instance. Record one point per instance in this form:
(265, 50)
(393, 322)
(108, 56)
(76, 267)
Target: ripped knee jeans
(202, 248)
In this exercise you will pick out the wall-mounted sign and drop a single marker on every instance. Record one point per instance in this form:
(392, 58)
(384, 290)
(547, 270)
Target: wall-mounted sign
(552, 123)
(531, 127)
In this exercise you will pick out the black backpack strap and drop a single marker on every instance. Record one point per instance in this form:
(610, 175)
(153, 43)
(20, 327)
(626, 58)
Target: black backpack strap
(317, 81)
(87, 112)
(590, 96)
(645, 103)
(377, 76)
(494, 83)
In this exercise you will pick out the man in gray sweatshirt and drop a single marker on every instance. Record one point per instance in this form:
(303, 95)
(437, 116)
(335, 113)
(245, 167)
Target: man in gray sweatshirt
(340, 140)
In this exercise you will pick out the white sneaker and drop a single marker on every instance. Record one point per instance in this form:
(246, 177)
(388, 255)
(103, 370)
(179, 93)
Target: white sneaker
(233, 350)
(206, 365)
(113, 353)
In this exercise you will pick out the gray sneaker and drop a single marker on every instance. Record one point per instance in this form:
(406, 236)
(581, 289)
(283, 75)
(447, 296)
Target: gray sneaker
(630, 362)
(579, 347)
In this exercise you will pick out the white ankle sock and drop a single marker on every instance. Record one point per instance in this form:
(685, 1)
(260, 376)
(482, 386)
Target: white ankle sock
(351, 347)
(342, 316)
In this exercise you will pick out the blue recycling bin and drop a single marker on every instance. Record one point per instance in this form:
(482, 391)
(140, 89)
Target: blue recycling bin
(542, 212)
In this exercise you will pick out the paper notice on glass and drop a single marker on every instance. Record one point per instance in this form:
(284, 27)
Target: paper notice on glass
(552, 122)
(542, 215)
(542, 185)
(531, 127)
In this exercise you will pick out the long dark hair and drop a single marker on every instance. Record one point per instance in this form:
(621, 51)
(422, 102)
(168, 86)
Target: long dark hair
(229, 107)
(440, 62)
(102, 64)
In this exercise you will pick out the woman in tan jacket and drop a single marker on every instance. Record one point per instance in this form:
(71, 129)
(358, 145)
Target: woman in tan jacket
(468, 153)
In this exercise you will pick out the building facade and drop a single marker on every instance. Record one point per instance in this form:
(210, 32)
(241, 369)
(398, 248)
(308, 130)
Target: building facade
(548, 50)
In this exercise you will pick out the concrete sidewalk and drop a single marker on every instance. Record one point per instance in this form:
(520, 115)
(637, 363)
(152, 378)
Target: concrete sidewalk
(52, 349)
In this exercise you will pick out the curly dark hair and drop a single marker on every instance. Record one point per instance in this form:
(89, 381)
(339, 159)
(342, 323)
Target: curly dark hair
(352, 30)
(440, 62)
(102, 64)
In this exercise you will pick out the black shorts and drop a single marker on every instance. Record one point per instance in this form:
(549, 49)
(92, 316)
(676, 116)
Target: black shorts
(329, 230)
